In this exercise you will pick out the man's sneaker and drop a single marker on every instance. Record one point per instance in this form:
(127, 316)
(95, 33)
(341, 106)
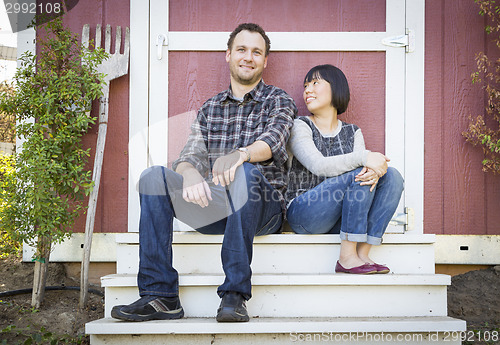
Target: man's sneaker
(232, 308)
(149, 308)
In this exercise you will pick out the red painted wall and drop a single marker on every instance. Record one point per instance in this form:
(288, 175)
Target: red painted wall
(197, 80)
(111, 213)
(198, 76)
(459, 197)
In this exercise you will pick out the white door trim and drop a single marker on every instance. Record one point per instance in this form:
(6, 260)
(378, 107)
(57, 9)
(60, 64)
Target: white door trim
(404, 90)
(282, 41)
(138, 105)
(414, 114)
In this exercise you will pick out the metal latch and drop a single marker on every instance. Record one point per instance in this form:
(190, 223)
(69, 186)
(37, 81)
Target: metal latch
(407, 41)
(161, 40)
(406, 219)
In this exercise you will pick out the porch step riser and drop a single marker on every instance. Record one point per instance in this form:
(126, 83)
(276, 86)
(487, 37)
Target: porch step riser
(308, 301)
(276, 339)
(342, 330)
(284, 258)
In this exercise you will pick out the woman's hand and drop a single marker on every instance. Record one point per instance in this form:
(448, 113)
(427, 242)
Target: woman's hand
(377, 162)
(368, 177)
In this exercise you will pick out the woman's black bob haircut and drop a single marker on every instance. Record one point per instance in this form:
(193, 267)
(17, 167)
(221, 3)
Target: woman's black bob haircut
(338, 83)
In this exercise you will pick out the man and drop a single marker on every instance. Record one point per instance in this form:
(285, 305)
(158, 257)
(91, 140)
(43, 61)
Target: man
(229, 179)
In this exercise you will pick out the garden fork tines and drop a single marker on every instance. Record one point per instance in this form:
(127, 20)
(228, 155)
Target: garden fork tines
(115, 66)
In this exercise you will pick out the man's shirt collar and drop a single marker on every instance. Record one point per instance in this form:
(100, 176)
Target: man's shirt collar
(257, 93)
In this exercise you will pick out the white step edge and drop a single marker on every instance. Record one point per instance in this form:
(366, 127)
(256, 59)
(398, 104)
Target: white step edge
(130, 280)
(194, 237)
(290, 258)
(279, 325)
(285, 295)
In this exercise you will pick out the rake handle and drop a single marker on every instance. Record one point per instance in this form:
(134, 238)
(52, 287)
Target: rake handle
(96, 177)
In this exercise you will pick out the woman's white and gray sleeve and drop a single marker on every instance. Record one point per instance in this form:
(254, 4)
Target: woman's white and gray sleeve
(302, 146)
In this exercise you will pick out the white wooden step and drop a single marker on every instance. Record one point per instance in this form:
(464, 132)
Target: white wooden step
(405, 330)
(283, 253)
(305, 295)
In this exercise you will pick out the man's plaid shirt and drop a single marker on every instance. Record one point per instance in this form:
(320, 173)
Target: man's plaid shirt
(224, 124)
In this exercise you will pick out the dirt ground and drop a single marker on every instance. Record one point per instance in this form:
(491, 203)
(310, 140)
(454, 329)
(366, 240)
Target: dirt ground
(473, 296)
(59, 314)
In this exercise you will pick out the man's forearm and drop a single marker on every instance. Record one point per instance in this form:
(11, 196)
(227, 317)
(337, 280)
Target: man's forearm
(183, 166)
(259, 151)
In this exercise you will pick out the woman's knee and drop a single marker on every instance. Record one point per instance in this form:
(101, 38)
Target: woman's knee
(394, 178)
(302, 230)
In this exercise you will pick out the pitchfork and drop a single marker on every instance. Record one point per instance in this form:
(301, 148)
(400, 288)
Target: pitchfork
(115, 66)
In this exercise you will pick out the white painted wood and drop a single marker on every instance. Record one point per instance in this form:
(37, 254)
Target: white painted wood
(195, 237)
(291, 253)
(25, 43)
(327, 295)
(103, 249)
(106, 249)
(158, 85)
(468, 249)
(286, 279)
(395, 95)
(138, 105)
(281, 257)
(282, 41)
(414, 127)
(409, 330)
(426, 338)
(280, 325)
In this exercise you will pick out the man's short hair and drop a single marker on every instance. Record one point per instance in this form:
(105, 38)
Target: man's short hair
(252, 28)
(338, 84)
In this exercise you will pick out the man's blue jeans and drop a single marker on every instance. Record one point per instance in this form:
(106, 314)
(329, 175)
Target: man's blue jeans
(249, 207)
(364, 215)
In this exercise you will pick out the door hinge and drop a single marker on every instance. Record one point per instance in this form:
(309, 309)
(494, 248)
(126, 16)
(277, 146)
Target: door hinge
(407, 41)
(406, 219)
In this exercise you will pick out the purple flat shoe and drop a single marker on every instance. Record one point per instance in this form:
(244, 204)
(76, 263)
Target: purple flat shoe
(363, 269)
(381, 269)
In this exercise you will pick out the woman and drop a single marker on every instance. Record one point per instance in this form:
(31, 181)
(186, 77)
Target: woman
(333, 180)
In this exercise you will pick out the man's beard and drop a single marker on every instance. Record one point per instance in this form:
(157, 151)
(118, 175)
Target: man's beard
(245, 80)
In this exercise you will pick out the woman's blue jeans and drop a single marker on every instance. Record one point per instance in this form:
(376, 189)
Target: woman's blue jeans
(363, 215)
(249, 207)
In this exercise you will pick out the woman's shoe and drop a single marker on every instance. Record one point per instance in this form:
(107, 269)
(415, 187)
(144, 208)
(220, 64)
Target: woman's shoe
(363, 269)
(381, 269)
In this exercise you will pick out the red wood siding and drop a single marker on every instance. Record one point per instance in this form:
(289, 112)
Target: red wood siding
(278, 15)
(111, 213)
(194, 82)
(459, 197)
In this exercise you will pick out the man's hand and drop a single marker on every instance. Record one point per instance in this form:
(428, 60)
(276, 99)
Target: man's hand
(225, 168)
(195, 188)
(377, 162)
(368, 177)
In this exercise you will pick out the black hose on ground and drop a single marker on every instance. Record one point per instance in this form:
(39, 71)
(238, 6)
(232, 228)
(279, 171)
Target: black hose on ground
(47, 288)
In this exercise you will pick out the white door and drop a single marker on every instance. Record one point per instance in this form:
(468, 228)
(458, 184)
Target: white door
(403, 44)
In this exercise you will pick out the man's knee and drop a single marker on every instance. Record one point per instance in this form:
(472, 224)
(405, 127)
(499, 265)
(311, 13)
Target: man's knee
(152, 181)
(248, 172)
